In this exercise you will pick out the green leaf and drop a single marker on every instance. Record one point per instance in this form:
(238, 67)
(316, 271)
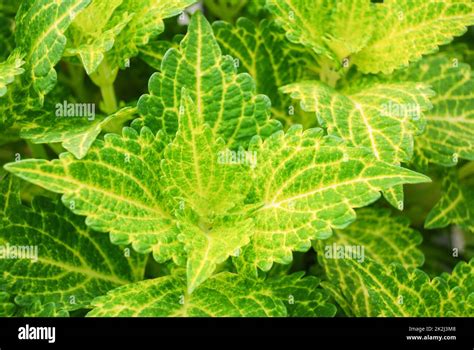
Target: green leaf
(264, 53)
(378, 37)
(397, 291)
(9, 69)
(380, 117)
(40, 27)
(449, 132)
(146, 24)
(308, 184)
(303, 20)
(42, 243)
(301, 296)
(7, 308)
(386, 238)
(223, 295)
(208, 245)
(336, 29)
(211, 189)
(195, 170)
(93, 32)
(456, 205)
(76, 134)
(461, 277)
(224, 99)
(395, 196)
(154, 52)
(351, 26)
(227, 10)
(117, 186)
(460, 51)
(376, 234)
(38, 310)
(404, 30)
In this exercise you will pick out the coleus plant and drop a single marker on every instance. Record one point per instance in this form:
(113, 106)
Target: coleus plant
(230, 187)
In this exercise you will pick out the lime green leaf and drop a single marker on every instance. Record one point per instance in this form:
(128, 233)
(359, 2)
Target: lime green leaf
(38, 310)
(146, 24)
(449, 133)
(407, 29)
(9, 69)
(362, 279)
(41, 244)
(381, 117)
(9, 195)
(304, 20)
(351, 26)
(154, 52)
(76, 134)
(195, 169)
(460, 51)
(461, 282)
(246, 262)
(301, 296)
(376, 235)
(208, 245)
(308, 184)
(223, 295)
(93, 32)
(7, 308)
(40, 27)
(334, 28)
(456, 205)
(397, 291)
(196, 179)
(386, 238)
(378, 37)
(395, 196)
(117, 186)
(264, 53)
(224, 99)
(461, 277)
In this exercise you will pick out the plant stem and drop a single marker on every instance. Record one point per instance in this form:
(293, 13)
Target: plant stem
(56, 147)
(104, 78)
(110, 100)
(77, 75)
(37, 150)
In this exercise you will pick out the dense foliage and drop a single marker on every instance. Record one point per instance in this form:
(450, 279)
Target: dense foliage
(237, 158)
